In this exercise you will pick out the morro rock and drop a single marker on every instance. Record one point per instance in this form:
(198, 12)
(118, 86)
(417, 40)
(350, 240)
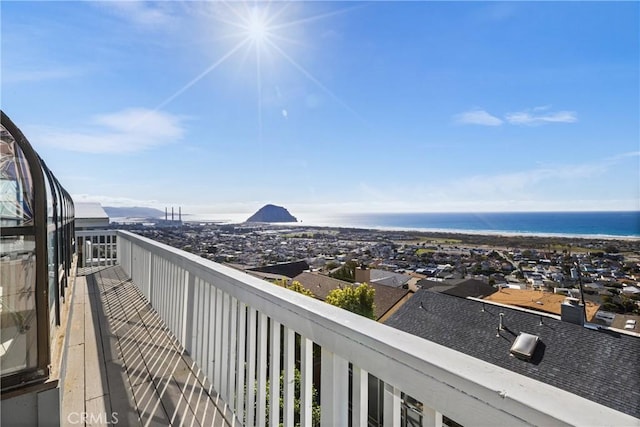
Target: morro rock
(271, 213)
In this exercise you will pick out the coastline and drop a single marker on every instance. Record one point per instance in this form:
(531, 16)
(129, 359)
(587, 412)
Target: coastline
(460, 226)
(460, 232)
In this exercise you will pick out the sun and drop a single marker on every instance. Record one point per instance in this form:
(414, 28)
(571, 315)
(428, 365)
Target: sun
(264, 30)
(257, 26)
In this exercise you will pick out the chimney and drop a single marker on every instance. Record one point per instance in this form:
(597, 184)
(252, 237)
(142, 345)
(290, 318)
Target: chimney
(165, 214)
(172, 216)
(363, 275)
(180, 213)
(572, 311)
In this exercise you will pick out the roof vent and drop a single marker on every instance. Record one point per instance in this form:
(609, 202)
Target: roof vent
(524, 346)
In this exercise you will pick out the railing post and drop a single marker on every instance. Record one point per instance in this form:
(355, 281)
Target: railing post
(188, 311)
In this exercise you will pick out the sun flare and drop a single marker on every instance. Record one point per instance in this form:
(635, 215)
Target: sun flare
(257, 26)
(265, 31)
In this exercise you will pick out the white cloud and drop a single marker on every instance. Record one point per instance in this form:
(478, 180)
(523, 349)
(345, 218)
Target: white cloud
(141, 13)
(115, 201)
(38, 75)
(477, 117)
(124, 131)
(533, 117)
(530, 117)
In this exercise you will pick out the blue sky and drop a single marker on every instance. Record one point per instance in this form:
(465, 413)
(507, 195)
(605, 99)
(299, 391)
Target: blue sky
(331, 107)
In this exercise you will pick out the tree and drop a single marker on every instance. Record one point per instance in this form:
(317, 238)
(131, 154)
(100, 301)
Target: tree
(356, 299)
(347, 272)
(295, 286)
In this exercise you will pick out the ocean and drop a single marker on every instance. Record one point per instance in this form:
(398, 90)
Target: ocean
(613, 224)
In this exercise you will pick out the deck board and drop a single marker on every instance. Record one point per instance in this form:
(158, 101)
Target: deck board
(123, 362)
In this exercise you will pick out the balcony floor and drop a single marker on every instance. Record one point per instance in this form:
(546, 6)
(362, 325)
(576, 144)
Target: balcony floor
(122, 359)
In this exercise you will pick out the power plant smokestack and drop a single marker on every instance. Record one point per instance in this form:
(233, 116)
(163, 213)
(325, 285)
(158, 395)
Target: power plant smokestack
(180, 213)
(165, 214)
(172, 216)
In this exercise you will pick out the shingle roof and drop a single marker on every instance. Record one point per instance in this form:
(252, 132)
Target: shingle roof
(459, 287)
(289, 269)
(385, 298)
(389, 278)
(602, 366)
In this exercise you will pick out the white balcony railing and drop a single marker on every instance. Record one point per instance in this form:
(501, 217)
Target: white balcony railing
(239, 329)
(96, 248)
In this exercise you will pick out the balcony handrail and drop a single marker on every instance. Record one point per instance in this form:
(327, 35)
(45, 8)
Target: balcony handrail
(469, 390)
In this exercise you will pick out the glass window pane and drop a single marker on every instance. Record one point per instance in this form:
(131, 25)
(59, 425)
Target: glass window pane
(18, 326)
(16, 185)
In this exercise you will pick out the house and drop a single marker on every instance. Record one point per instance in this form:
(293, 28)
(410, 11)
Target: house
(387, 299)
(90, 216)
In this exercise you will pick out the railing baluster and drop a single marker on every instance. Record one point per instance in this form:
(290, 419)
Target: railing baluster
(218, 327)
(431, 417)
(391, 406)
(360, 396)
(241, 365)
(226, 348)
(200, 335)
(335, 386)
(274, 368)
(251, 368)
(306, 381)
(262, 369)
(188, 311)
(233, 351)
(211, 332)
(289, 376)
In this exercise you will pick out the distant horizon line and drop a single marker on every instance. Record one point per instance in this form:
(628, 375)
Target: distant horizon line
(388, 212)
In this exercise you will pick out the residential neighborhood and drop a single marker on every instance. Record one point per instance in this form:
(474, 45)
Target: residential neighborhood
(533, 272)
